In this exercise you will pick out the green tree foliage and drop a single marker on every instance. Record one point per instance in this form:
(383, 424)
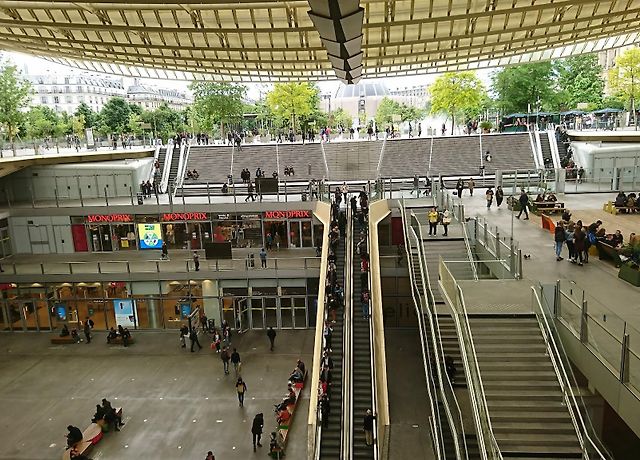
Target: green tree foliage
(14, 96)
(217, 104)
(519, 86)
(456, 93)
(114, 116)
(164, 121)
(292, 101)
(89, 117)
(624, 78)
(386, 110)
(580, 81)
(340, 117)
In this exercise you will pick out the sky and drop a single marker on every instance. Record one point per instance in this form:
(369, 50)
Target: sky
(29, 64)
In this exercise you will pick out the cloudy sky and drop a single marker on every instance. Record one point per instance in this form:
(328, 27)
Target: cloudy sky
(29, 64)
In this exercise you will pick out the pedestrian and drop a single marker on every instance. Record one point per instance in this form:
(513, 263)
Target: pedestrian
(224, 356)
(90, 322)
(459, 187)
(559, 238)
(433, 221)
(194, 339)
(277, 239)
(446, 220)
(354, 205)
(345, 191)
(165, 251)
(416, 185)
(579, 242)
(367, 425)
(269, 241)
(256, 430)
(489, 197)
(235, 360)
(241, 389)
(210, 456)
(470, 185)
(325, 410)
(272, 336)
(250, 189)
(196, 260)
(499, 196)
(87, 331)
(524, 203)
(184, 332)
(263, 258)
(364, 299)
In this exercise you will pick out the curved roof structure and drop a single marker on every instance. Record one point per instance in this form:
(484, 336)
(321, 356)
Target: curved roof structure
(270, 40)
(362, 90)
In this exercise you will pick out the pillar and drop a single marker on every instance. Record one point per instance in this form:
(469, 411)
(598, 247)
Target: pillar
(211, 301)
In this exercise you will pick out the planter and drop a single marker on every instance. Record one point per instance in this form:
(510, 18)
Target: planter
(630, 274)
(513, 204)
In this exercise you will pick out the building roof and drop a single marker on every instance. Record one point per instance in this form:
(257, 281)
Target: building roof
(362, 90)
(270, 40)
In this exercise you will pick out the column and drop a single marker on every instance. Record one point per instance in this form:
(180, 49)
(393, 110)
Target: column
(211, 301)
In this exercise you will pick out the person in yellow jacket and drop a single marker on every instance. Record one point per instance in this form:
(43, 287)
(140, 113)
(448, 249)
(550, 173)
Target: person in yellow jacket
(433, 221)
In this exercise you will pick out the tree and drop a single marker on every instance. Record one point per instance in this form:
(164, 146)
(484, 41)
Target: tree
(290, 100)
(455, 93)
(340, 117)
(217, 103)
(580, 81)
(386, 110)
(410, 113)
(134, 124)
(14, 96)
(520, 87)
(89, 117)
(114, 116)
(164, 121)
(624, 78)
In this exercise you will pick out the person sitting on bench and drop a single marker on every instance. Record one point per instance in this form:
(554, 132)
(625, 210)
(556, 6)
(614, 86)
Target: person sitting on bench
(65, 331)
(617, 240)
(74, 436)
(539, 198)
(112, 335)
(126, 335)
(110, 415)
(189, 174)
(621, 200)
(195, 174)
(300, 366)
(296, 376)
(551, 198)
(99, 415)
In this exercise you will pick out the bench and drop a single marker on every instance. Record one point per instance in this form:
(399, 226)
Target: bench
(64, 340)
(118, 341)
(611, 208)
(547, 207)
(283, 428)
(607, 252)
(90, 437)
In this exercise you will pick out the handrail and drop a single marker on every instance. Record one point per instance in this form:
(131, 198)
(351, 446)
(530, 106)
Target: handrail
(156, 154)
(374, 395)
(466, 241)
(384, 144)
(435, 332)
(164, 181)
(347, 345)
(436, 426)
(565, 384)
(182, 166)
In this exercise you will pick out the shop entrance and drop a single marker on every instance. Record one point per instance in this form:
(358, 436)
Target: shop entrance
(242, 313)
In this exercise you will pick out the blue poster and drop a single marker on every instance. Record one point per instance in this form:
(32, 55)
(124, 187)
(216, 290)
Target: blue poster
(61, 311)
(185, 310)
(125, 312)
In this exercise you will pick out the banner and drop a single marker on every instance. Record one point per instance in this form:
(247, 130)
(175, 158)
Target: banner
(125, 310)
(61, 311)
(150, 236)
(185, 310)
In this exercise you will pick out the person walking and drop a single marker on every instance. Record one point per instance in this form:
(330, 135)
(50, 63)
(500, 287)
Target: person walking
(210, 456)
(325, 410)
(367, 425)
(241, 389)
(193, 335)
(499, 196)
(235, 360)
(165, 251)
(524, 203)
(256, 430)
(459, 187)
(433, 221)
(416, 185)
(489, 197)
(196, 260)
(263, 258)
(470, 185)
(559, 238)
(277, 239)
(345, 191)
(272, 337)
(184, 332)
(446, 220)
(87, 331)
(224, 356)
(579, 242)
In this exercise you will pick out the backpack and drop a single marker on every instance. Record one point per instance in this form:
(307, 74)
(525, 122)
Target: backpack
(592, 238)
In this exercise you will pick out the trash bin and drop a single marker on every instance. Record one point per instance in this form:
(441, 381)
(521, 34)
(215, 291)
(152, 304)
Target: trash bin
(140, 199)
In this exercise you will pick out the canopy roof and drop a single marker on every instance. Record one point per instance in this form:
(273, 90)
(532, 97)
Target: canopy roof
(270, 40)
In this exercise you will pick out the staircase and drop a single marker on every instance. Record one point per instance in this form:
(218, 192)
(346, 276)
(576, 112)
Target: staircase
(361, 364)
(330, 448)
(547, 156)
(451, 347)
(448, 249)
(525, 402)
(349, 160)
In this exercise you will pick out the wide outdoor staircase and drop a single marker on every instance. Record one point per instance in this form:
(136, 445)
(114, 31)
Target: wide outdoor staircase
(306, 159)
(349, 160)
(524, 398)
(547, 156)
(361, 376)
(508, 152)
(451, 347)
(330, 441)
(212, 162)
(254, 156)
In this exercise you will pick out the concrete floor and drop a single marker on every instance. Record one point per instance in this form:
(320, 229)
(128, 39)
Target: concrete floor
(177, 405)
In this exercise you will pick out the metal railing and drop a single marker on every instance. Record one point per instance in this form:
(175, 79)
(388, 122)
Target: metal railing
(452, 292)
(181, 265)
(448, 396)
(503, 248)
(587, 443)
(347, 348)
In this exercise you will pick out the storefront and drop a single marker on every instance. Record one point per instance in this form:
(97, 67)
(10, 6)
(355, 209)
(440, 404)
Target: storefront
(293, 229)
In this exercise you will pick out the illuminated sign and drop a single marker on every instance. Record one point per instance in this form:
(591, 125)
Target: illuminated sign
(177, 216)
(287, 214)
(150, 236)
(106, 218)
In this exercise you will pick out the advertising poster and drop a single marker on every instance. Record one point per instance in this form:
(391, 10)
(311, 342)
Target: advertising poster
(125, 310)
(185, 310)
(61, 311)
(150, 236)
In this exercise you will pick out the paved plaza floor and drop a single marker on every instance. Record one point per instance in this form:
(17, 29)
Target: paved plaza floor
(177, 404)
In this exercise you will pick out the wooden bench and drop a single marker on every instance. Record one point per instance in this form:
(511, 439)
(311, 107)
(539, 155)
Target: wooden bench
(607, 252)
(283, 429)
(90, 437)
(63, 340)
(611, 208)
(546, 207)
(118, 341)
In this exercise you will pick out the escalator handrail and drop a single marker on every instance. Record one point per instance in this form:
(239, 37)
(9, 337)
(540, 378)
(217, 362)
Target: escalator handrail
(374, 396)
(347, 343)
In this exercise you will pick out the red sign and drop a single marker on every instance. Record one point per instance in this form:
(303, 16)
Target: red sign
(287, 214)
(98, 218)
(174, 216)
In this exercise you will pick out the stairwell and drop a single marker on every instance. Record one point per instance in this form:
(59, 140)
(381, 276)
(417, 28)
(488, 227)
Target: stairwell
(453, 249)
(525, 402)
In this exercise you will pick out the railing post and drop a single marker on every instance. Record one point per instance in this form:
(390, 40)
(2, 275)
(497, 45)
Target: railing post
(55, 192)
(106, 197)
(208, 194)
(584, 331)
(128, 268)
(99, 268)
(286, 197)
(131, 194)
(497, 244)
(624, 358)
(42, 268)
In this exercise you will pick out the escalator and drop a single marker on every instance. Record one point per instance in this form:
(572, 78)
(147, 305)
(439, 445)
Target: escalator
(362, 396)
(162, 155)
(331, 433)
(173, 170)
